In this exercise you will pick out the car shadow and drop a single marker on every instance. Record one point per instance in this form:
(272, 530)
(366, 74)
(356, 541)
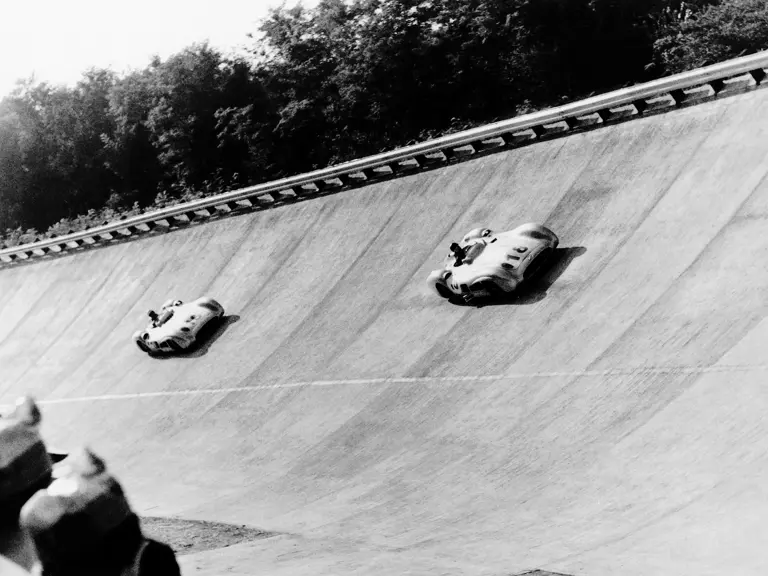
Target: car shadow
(205, 338)
(537, 288)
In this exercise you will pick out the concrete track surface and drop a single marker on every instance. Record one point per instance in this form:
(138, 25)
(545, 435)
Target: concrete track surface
(610, 421)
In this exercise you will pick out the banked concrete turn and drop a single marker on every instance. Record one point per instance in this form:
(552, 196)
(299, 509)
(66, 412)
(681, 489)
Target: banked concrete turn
(611, 421)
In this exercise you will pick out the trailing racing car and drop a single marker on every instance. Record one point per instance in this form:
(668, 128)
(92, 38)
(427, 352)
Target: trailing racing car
(177, 325)
(487, 264)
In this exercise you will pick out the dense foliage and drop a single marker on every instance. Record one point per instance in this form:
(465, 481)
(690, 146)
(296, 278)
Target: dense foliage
(323, 85)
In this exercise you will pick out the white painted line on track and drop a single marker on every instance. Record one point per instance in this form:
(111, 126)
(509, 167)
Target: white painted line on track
(425, 380)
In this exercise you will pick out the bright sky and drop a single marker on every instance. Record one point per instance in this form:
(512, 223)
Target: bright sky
(56, 40)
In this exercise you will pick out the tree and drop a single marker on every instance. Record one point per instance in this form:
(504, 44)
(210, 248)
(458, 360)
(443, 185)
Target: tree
(244, 120)
(12, 170)
(55, 142)
(712, 34)
(185, 96)
(300, 75)
(130, 154)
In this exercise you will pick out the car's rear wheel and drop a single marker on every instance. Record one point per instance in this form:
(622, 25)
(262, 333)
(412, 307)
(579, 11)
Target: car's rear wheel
(448, 295)
(537, 266)
(143, 347)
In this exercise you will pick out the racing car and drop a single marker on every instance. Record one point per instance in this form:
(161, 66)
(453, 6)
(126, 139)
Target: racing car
(177, 325)
(489, 264)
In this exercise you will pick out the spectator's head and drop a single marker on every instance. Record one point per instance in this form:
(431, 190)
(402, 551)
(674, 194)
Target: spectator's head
(25, 465)
(82, 523)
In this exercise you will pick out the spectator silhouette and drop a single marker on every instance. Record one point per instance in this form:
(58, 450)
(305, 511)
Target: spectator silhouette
(25, 468)
(82, 525)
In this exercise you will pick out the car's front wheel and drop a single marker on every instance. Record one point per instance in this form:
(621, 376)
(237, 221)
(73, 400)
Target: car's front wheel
(443, 291)
(491, 289)
(173, 345)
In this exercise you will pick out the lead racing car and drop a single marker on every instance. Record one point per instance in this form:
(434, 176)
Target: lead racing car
(178, 325)
(489, 264)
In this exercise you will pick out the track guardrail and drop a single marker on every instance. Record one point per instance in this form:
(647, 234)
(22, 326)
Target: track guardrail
(729, 77)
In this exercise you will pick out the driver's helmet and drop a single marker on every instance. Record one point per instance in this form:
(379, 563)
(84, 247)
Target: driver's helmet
(476, 233)
(170, 304)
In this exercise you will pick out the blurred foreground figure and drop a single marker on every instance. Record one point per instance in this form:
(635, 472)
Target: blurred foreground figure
(25, 468)
(82, 525)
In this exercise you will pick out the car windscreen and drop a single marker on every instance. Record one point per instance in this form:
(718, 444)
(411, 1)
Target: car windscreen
(164, 317)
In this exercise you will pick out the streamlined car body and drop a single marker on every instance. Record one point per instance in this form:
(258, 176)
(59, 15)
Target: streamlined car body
(488, 264)
(177, 325)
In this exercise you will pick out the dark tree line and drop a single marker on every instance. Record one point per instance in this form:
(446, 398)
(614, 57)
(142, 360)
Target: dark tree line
(343, 80)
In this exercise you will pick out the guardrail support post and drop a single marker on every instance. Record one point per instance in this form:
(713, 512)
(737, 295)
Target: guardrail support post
(759, 75)
(349, 180)
(678, 96)
(717, 86)
(421, 160)
(449, 154)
